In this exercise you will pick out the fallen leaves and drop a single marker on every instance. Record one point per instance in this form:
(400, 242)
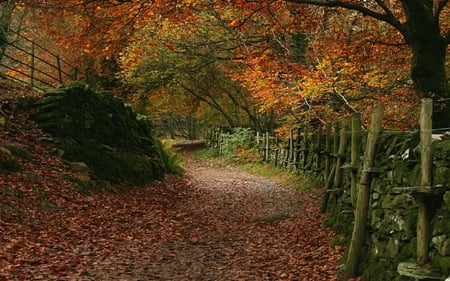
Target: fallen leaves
(202, 227)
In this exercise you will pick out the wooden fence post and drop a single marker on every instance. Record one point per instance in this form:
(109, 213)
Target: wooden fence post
(220, 142)
(318, 150)
(423, 220)
(75, 74)
(276, 155)
(362, 202)
(58, 65)
(327, 151)
(356, 143)
(298, 149)
(290, 156)
(329, 180)
(340, 157)
(304, 150)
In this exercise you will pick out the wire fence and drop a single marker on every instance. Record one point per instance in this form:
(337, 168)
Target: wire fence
(28, 62)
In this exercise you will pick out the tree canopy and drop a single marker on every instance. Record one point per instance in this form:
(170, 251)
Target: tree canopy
(298, 60)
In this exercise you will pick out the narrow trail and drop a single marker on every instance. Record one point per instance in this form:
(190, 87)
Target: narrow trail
(236, 226)
(217, 224)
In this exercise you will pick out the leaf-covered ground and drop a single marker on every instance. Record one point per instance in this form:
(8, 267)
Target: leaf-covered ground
(218, 223)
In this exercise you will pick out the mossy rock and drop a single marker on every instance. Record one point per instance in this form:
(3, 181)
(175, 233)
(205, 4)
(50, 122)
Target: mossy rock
(441, 150)
(442, 263)
(98, 129)
(378, 269)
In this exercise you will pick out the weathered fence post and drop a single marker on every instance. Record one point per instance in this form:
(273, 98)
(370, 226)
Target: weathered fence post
(423, 219)
(329, 180)
(327, 151)
(356, 143)
(58, 65)
(363, 196)
(220, 142)
(318, 167)
(304, 150)
(276, 155)
(290, 156)
(340, 157)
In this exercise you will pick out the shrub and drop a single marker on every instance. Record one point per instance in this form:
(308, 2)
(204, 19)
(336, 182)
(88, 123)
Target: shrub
(237, 145)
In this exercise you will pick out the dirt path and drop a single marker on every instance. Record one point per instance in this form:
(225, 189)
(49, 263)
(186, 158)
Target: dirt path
(235, 226)
(218, 224)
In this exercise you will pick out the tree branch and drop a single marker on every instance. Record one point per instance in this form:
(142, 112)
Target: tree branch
(382, 4)
(388, 17)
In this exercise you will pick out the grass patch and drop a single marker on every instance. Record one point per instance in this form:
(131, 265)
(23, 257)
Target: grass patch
(266, 170)
(279, 175)
(21, 152)
(271, 218)
(209, 154)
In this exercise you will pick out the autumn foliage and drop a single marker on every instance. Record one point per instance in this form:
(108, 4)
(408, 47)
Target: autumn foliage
(292, 61)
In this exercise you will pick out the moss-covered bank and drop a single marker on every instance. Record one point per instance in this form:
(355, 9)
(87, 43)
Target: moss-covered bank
(97, 129)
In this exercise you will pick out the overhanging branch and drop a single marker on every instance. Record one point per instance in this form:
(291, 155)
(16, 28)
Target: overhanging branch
(388, 17)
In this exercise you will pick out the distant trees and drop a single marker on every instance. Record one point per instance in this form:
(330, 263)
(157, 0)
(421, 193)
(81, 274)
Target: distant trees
(176, 62)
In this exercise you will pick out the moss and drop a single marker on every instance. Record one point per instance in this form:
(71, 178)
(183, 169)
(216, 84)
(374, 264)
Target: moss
(7, 163)
(443, 264)
(378, 270)
(440, 221)
(407, 252)
(115, 167)
(99, 130)
(21, 152)
(441, 150)
(414, 176)
(411, 214)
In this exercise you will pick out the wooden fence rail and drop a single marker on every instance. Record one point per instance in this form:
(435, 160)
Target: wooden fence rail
(25, 61)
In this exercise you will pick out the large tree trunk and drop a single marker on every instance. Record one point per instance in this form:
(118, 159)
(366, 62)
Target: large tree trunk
(422, 33)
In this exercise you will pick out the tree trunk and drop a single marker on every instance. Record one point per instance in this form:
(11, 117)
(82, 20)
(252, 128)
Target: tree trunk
(422, 33)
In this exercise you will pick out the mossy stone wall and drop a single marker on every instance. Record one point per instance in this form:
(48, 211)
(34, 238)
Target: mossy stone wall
(391, 235)
(98, 129)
